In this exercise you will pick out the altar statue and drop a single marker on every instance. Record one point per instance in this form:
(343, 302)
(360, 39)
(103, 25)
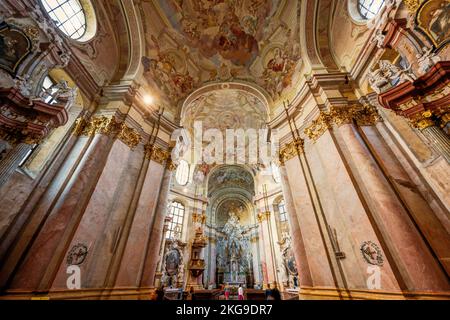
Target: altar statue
(234, 247)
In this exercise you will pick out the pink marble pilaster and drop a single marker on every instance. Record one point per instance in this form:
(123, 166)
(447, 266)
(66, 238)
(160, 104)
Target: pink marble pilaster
(298, 246)
(153, 247)
(133, 258)
(418, 268)
(47, 251)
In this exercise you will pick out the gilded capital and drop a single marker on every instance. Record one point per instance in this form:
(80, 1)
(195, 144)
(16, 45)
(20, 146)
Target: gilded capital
(260, 217)
(318, 126)
(363, 115)
(171, 166)
(107, 126)
(129, 136)
(340, 116)
(155, 153)
(291, 150)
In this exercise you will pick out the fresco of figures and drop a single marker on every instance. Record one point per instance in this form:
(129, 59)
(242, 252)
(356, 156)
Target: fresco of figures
(220, 40)
(434, 18)
(14, 47)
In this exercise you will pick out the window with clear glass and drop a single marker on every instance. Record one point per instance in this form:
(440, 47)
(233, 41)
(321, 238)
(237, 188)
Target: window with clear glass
(182, 173)
(176, 224)
(48, 89)
(370, 8)
(282, 210)
(68, 16)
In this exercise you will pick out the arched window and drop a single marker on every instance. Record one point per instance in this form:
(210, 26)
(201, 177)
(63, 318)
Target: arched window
(48, 89)
(370, 8)
(176, 212)
(182, 174)
(276, 173)
(282, 210)
(68, 16)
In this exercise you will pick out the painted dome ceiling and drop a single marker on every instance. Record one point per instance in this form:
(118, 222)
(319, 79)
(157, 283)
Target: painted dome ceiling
(191, 43)
(225, 106)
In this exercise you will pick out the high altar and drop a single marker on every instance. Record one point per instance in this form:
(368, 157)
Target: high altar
(234, 259)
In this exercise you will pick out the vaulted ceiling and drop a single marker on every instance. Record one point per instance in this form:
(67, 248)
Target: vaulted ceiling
(190, 43)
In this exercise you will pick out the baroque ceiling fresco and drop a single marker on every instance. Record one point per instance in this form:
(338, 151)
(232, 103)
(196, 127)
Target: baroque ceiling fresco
(234, 205)
(191, 43)
(231, 177)
(225, 109)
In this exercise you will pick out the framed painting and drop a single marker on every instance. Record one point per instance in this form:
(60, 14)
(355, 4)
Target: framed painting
(433, 18)
(15, 46)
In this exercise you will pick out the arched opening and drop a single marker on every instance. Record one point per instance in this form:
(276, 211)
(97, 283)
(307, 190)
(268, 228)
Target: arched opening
(232, 217)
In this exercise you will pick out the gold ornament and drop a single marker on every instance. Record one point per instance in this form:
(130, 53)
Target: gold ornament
(107, 126)
(412, 5)
(156, 154)
(291, 150)
(318, 126)
(423, 120)
(363, 115)
(260, 217)
(129, 136)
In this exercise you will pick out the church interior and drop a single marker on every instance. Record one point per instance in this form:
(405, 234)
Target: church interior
(181, 149)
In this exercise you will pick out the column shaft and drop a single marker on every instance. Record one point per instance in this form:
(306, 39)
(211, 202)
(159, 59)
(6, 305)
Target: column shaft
(156, 236)
(298, 246)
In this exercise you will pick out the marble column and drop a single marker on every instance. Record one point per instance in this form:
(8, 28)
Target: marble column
(103, 219)
(262, 251)
(47, 251)
(134, 265)
(157, 234)
(321, 262)
(271, 265)
(412, 258)
(298, 245)
(12, 160)
(212, 262)
(256, 259)
(420, 209)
